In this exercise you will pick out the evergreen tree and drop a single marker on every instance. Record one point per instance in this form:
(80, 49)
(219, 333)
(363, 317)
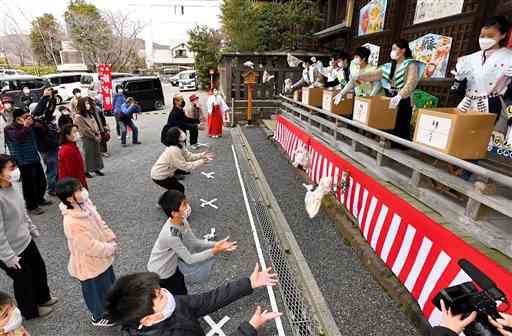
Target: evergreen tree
(46, 39)
(206, 43)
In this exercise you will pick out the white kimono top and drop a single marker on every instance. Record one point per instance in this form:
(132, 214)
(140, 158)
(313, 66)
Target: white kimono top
(217, 100)
(483, 80)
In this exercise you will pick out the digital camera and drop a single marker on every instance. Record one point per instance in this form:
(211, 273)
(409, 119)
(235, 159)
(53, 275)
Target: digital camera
(467, 298)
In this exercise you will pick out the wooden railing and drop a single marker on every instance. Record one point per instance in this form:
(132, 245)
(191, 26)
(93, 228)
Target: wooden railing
(482, 207)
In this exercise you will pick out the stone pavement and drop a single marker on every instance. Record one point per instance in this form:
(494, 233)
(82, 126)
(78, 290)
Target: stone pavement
(126, 198)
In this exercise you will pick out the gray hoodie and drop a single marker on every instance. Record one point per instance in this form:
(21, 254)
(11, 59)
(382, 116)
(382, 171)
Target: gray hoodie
(15, 224)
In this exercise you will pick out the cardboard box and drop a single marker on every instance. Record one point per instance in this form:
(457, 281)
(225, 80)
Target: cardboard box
(464, 135)
(312, 96)
(345, 107)
(374, 112)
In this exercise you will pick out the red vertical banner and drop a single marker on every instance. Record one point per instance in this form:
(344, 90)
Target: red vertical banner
(105, 76)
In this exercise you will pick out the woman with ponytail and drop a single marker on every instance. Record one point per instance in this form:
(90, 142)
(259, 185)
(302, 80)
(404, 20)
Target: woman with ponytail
(399, 79)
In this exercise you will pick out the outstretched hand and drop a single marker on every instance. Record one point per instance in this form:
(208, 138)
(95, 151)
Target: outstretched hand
(263, 278)
(224, 245)
(260, 318)
(501, 323)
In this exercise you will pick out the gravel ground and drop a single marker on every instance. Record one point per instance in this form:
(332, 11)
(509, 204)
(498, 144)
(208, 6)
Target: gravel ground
(357, 302)
(126, 198)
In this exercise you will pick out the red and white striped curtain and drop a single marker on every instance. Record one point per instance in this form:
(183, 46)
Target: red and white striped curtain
(421, 253)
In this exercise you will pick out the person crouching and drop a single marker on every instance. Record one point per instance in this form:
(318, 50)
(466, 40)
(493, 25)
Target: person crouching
(176, 240)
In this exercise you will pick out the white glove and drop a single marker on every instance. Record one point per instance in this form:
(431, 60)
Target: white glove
(14, 262)
(338, 98)
(393, 102)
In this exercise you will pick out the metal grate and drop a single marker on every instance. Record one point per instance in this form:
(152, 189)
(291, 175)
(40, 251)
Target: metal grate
(299, 312)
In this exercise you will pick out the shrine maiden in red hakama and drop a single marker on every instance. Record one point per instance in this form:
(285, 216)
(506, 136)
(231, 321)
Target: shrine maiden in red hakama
(216, 107)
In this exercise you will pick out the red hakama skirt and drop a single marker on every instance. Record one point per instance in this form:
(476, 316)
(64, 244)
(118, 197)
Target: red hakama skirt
(215, 122)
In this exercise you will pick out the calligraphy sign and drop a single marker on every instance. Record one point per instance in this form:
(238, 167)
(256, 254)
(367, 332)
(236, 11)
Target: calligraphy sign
(105, 77)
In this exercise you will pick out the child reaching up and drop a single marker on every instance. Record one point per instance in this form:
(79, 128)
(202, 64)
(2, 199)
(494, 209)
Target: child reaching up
(176, 240)
(10, 317)
(92, 246)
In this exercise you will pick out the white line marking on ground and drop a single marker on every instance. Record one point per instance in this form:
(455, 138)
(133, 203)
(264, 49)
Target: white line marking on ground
(270, 290)
(216, 327)
(210, 203)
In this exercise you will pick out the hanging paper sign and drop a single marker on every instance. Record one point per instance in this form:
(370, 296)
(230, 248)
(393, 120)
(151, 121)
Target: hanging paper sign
(374, 53)
(428, 10)
(105, 77)
(434, 51)
(372, 17)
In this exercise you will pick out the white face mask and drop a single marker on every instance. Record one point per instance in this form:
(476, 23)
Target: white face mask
(85, 195)
(78, 94)
(15, 175)
(26, 91)
(183, 137)
(14, 322)
(394, 55)
(170, 305)
(120, 91)
(188, 211)
(486, 43)
(357, 60)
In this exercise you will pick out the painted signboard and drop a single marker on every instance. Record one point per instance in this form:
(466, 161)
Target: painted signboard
(434, 51)
(428, 10)
(372, 17)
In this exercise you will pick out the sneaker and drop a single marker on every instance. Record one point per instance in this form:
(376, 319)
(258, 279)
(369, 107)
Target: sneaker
(118, 137)
(137, 143)
(179, 177)
(46, 202)
(124, 145)
(102, 322)
(37, 211)
(50, 302)
(44, 311)
(99, 173)
(88, 175)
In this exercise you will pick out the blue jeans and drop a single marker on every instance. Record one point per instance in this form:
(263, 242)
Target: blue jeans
(94, 291)
(124, 130)
(51, 159)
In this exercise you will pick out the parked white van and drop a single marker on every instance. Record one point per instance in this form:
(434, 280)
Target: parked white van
(65, 83)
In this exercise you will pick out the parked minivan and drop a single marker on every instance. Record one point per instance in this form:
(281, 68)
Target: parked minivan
(13, 86)
(11, 72)
(187, 80)
(147, 90)
(91, 81)
(65, 83)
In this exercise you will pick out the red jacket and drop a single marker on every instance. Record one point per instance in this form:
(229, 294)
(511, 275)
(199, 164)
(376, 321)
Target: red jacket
(71, 163)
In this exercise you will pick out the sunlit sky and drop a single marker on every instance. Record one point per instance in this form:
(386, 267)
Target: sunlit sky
(162, 23)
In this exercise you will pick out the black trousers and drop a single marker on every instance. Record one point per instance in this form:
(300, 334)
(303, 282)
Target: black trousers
(30, 282)
(170, 183)
(33, 182)
(403, 120)
(175, 283)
